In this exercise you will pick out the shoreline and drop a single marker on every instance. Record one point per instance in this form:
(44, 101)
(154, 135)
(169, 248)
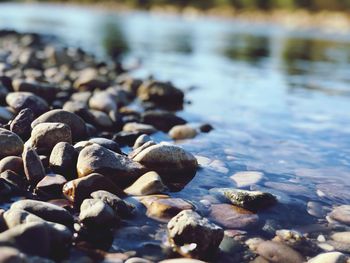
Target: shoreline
(328, 21)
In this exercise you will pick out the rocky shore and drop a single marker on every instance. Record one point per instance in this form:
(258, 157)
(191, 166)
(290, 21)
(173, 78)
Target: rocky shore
(81, 171)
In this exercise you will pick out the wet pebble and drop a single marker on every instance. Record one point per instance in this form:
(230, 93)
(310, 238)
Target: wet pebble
(277, 252)
(247, 178)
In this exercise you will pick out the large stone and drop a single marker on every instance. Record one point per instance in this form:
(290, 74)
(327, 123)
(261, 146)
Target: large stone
(161, 120)
(188, 228)
(21, 124)
(33, 167)
(180, 132)
(109, 144)
(330, 257)
(76, 124)
(149, 183)
(47, 211)
(79, 189)
(96, 213)
(12, 163)
(14, 217)
(21, 100)
(97, 159)
(46, 135)
(251, 200)
(63, 160)
(233, 217)
(341, 214)
(276, 252)
(168, 160)
(10, 143)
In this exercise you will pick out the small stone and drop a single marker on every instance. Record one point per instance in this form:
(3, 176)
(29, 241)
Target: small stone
(97, 159)
(103, 101)
(188, 227)
(51, 186)
(12, 163)
(76, 124)
(46, 135)
(33, 168)
(277, 252)
(247, 178)
(96, 213)
(341, 214)
(141, 140)
(101, 119)
(163, 209)
(251, 200)
(180, 132)
(161, 120)
(10, 144)
(330, 257)
(22, 100)
(139, 127)
(206, 128)
(63, 160)
(126, 138)
(21, 124)
(233, 217)
(149, 183)
(47, 211)
(121, 208)
(89, 79)
(79, 189)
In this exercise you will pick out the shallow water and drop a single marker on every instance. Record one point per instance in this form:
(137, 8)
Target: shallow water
(278, 98)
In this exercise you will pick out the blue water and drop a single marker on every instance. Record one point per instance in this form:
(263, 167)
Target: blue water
(278, 98)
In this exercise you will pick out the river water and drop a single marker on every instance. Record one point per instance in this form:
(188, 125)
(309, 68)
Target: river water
(278, 98)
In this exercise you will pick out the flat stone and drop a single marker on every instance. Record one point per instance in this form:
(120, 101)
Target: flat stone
(164, 209)
(97, 159)
(45, 136)
(341, 214)
(180, 132)
(76, 124)
(188, 228)
(10, 144)
(330, 257)
(247, 178)
(33, 168)
(139, 127)
(233, 217)
(149, 183)
(79, 189)
(96, 213)
(277, 252)
(251, 200)
(47, 211)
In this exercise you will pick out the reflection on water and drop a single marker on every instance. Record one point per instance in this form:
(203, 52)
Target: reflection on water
(278, 99)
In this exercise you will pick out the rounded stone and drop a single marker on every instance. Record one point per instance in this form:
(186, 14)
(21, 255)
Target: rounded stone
(33, 167)
(341, 214)
(277, 252)
(180, 132)
(149, 183)
(10, 143)
(21, 100)
(63, 160)
(13, 163)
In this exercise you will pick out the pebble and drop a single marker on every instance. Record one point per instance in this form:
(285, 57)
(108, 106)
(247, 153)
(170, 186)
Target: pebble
(45, 136)
(14, 217)
(233, 217)
(141, 140)
(251, 200)
(343, 237)
(139, 127)
(97, 159)
(180, 132)
(33, 167)
(22, 100)
(51, 186)
(63, 160)
(12, 163)
(149, 183)
(47, 211)
(330, 257)
(96, 213)
(21, 124)
(247, 178)
(101, 119)
(276, 252)
(188, 227)
(109, 144)
(79, 189)
(163, 209)
(103, 101)
(10, 143)
(76, 124)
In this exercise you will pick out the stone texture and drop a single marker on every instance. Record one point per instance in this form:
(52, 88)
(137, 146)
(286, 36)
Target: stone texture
(63, 160)
(21, 124)
(33, 168)
(22, 100)
(149, 183)
(12, 163)
(10, 143)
